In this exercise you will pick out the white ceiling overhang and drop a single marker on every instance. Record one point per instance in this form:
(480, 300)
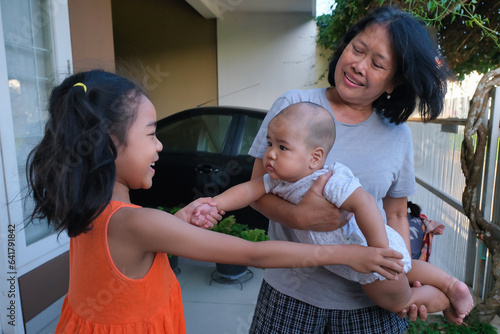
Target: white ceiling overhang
(211, 9)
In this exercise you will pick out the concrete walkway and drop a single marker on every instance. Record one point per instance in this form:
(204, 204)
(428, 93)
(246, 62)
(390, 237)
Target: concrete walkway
(214, 308)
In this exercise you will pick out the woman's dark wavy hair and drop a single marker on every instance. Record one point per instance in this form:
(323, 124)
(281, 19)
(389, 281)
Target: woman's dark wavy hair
(71, 172)
(421, 73)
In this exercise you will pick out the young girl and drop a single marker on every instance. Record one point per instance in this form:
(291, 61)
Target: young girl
(100, 142)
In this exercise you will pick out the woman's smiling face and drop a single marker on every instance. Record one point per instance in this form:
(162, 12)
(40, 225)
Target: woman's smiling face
(366, 68)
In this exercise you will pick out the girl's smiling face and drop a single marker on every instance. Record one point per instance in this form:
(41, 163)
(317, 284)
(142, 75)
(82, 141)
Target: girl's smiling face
(366, 68)
(136, 158)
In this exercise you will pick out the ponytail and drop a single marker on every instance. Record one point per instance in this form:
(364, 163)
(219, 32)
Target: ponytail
(415, 210)
(71, 173)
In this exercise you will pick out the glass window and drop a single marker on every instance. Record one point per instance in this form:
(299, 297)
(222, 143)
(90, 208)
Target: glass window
(252, 126)
(204, 133)
(30, 65)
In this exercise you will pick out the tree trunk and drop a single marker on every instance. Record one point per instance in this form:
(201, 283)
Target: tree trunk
(486, 311)
(472, 158)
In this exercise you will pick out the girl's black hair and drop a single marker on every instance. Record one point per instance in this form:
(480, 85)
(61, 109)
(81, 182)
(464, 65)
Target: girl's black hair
(71, 172)
(415, 209)
(421, 73)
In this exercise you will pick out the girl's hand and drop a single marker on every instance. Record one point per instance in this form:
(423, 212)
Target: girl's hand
(384, 261)
(314, 212)
(187, 212)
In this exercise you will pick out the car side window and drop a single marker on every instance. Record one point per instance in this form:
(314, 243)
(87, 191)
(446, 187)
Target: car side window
(252, 126)
(204, 133)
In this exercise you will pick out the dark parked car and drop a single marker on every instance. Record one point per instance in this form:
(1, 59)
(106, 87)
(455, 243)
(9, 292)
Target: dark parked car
(205, 151)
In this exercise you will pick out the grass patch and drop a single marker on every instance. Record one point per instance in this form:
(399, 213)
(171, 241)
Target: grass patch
(436, 324)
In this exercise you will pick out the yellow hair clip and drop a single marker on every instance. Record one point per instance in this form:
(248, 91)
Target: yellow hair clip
(80, 84)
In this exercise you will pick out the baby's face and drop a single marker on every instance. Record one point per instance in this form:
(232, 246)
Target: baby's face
(287, 156)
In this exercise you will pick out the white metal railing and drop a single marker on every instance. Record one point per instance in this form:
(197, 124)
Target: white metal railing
(440, 183)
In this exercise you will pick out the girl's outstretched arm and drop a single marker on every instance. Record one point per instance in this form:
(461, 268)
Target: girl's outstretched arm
(149, 230)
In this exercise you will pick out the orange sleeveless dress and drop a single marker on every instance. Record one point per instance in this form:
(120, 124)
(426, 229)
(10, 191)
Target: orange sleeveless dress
(103, 300)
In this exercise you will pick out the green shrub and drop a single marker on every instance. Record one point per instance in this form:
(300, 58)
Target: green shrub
(171, 210)
(438, 325)
(229, 226)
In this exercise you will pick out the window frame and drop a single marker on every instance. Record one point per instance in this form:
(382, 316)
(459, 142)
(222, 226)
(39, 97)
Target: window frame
(11, 205)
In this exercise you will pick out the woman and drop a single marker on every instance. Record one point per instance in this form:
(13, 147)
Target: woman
(386, 65)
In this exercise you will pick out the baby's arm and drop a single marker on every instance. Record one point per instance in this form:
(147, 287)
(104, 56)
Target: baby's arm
(241, 195)
(234, 198)
(368, 217)
(190, 213)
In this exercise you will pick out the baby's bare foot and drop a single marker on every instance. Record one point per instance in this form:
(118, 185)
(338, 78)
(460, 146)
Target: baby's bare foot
(451, 315)
(460, 298)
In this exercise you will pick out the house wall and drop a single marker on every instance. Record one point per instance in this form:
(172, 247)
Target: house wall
(321, 66)
(171, 48)
(262, 55)
(91, 35)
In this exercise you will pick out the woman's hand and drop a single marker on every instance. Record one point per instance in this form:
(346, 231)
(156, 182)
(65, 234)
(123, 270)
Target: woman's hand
(415, 311)
(316, 213)
(384, 261)
(189, 213)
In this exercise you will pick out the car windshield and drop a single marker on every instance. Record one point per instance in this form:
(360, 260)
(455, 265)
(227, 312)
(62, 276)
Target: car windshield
(204, 133)
(252, 126)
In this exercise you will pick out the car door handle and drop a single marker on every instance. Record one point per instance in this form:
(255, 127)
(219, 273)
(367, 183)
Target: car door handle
(206, 169)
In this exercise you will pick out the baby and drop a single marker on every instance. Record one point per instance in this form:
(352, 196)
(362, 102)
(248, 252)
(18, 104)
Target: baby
(299, 139)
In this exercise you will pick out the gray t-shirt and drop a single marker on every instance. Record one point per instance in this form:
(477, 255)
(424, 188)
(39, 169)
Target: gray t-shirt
(338, 188)
(380, 154)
